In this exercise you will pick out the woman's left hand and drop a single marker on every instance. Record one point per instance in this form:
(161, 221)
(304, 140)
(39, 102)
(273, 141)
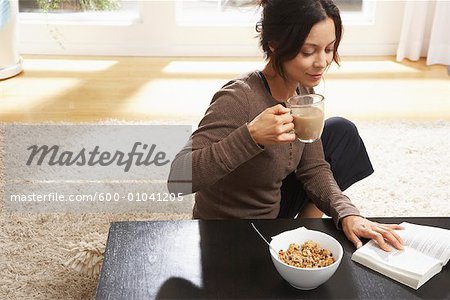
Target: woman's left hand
(356, 227)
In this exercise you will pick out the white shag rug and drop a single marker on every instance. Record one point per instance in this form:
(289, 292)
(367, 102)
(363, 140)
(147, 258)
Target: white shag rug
(412, 170)
(37, 258)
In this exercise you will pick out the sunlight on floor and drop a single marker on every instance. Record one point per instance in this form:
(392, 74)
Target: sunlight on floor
(348, 66)
(37, 93)
(67, 65)
(366, 67)
(173, 96)
(91, 88)
(212, 67)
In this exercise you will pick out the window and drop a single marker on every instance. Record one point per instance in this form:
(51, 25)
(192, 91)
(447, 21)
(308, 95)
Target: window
(217, 12)
(357, 12)
(62, 6)
(191, 28)
(79, 11)
(247, 12)
(349, 5)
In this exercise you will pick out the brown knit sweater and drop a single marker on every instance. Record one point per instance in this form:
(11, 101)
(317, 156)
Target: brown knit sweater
(233, 177)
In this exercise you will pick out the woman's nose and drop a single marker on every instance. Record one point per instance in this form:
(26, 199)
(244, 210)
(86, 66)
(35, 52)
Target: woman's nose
(320, 61)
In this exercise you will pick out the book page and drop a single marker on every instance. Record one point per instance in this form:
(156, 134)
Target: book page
(426, 249)
(432, 241)
(407, 261)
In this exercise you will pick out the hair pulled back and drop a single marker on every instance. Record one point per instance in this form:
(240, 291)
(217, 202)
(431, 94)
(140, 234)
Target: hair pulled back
(285, 25)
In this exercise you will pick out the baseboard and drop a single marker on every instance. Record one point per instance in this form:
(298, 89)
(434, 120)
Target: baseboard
(183, 50)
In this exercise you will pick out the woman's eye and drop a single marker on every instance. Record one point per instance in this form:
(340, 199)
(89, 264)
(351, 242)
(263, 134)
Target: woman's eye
(307, 53)
(329, 50)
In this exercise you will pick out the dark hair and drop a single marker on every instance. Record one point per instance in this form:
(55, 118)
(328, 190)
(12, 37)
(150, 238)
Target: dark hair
(285, 24)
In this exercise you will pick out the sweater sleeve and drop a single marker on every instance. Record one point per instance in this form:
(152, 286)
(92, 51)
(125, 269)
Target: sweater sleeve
(321, 187)
(221, 143)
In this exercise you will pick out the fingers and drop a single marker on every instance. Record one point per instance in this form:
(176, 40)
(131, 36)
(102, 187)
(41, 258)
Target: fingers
(354, 239)
(284, 118)
(278, 109)
(377, 237)
(383, 235)
(274, 125)
(392, 226)
(286, 137)
(286, 127)
(391, 236)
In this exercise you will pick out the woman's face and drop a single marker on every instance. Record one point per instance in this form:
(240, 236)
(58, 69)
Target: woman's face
(314, 57)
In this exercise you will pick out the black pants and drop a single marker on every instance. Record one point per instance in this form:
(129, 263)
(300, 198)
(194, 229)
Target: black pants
(344, 151)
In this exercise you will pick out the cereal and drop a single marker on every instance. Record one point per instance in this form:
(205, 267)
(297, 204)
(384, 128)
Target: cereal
(309, 255)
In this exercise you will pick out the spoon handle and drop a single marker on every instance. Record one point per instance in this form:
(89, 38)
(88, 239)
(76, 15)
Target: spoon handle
(263, 238)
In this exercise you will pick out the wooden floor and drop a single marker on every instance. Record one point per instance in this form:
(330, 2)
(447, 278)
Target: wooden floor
(85, 89)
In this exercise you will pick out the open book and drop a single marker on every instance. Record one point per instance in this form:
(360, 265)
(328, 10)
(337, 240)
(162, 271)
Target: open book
(426, 250)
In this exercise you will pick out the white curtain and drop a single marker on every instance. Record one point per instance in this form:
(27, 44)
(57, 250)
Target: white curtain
(426, 32)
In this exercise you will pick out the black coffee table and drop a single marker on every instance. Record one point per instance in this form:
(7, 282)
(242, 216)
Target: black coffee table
(227, 260)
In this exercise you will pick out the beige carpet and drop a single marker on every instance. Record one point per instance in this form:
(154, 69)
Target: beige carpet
(412, 177)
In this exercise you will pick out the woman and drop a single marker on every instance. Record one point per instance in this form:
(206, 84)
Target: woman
(247, 163)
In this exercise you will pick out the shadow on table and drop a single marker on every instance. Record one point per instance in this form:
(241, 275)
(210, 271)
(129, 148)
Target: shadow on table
(246, 270)
(174, 287)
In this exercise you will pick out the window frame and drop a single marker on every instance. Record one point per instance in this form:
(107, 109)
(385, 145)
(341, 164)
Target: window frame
(155, 32)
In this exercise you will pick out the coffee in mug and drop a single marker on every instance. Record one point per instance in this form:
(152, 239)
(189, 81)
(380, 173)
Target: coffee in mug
(308, 114)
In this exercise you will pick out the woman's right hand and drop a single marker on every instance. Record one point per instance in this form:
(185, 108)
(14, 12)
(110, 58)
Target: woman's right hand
(272, 126)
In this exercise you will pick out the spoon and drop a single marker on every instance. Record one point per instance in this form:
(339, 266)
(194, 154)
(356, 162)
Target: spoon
(271, 248)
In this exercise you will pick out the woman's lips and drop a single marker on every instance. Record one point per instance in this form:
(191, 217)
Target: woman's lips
(316, 76)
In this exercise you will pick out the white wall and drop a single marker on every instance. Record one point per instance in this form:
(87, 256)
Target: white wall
(382, 37)
(155, 33)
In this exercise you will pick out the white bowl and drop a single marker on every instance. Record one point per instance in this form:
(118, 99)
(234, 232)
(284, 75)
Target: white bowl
(305, 278)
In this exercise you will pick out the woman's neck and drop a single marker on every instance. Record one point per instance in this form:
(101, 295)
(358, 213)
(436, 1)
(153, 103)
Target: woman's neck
(281, 89)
